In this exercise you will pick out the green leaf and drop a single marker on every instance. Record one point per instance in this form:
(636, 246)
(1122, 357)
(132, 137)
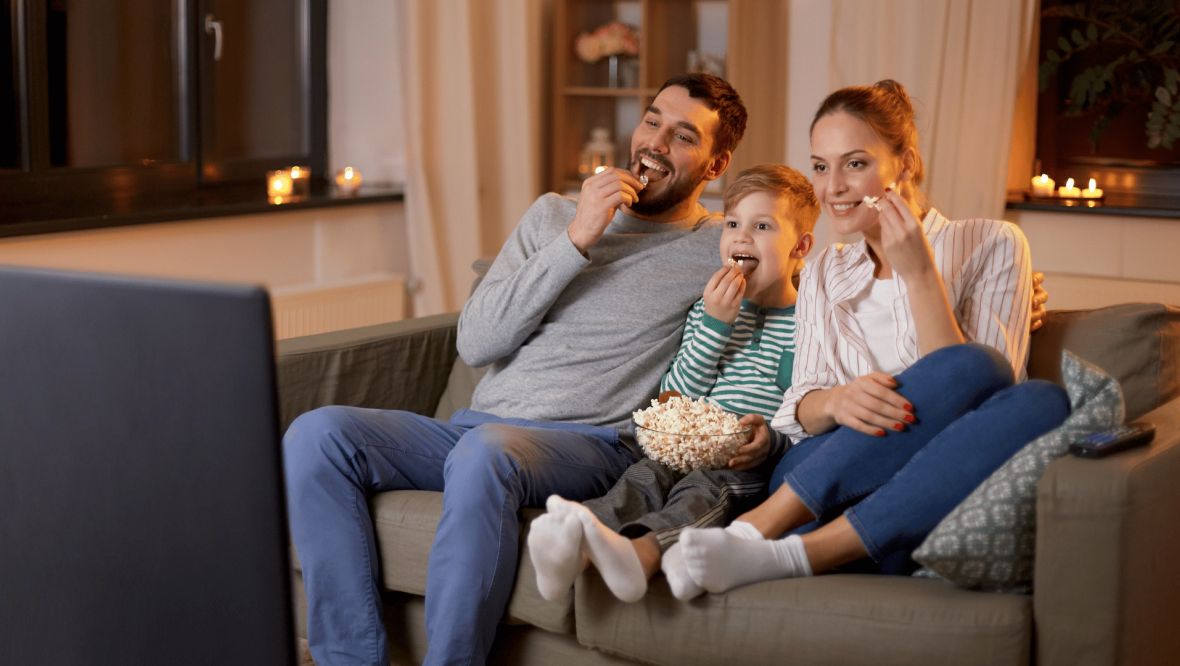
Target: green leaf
(1063, 44)
(1092, 32)
(1163, 47)
(1052, 56)
(1077, 38)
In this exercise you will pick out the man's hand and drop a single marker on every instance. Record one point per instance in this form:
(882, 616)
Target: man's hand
(723, 294)
(1039, 298)
(601, 196)
(753, 453)
(870, 404)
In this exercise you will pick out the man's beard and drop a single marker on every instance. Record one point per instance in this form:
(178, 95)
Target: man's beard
(673, 193)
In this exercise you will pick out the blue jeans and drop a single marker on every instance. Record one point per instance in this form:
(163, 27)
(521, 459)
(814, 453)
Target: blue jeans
(335, 458)
(895, 489)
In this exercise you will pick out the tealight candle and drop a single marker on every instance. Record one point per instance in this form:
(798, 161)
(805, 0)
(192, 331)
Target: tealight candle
(300, 180)
(1092, 192)
(1043, 185)
(278, 184)
(348, 180)
(1068, 191)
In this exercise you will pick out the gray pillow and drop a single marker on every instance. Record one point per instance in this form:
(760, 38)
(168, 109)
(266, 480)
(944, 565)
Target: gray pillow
(987, 541)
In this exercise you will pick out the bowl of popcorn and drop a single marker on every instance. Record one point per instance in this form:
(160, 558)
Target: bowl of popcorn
(687, 434)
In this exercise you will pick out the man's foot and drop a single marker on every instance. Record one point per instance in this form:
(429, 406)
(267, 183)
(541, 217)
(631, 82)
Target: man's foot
(612, 553)
(555, 547)
(722, 559)
(683, 586)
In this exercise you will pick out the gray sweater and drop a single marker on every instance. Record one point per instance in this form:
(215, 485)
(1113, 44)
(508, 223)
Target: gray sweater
(584, 340)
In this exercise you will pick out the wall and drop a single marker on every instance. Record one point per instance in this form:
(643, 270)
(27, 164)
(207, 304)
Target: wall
(1096, 260)
(289, 252)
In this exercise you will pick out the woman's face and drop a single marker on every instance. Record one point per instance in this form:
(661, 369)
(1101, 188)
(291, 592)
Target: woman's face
(848, 162)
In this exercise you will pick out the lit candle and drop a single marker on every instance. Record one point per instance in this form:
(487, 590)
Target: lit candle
(278, 184)
(348, 180)
(1042, 186)
(1092, 192)
(300, 180)
(1068, 191)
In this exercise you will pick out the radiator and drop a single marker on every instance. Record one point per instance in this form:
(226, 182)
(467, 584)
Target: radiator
(322, 308)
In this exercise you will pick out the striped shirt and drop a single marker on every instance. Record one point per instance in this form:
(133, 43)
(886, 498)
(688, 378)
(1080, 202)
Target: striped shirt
(987, 271)
(742, 367)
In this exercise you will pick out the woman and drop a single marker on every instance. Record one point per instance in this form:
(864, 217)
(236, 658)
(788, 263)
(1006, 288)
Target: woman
(910, 344)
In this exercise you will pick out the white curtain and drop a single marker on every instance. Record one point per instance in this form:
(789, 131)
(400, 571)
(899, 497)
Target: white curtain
(474, 120)
(961, 61)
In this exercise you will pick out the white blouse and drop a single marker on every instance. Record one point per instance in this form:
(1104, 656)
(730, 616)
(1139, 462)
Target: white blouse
(987, 270)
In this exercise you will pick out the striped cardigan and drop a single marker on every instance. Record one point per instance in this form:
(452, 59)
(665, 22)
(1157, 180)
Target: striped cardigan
(986, 267)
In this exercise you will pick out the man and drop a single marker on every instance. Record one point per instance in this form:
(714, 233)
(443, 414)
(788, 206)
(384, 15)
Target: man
(578, 317)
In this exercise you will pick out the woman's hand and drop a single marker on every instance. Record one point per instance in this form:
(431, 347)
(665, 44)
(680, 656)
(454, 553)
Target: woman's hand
(753, 453)
(904, 243)
(723, 294)
(869, 404)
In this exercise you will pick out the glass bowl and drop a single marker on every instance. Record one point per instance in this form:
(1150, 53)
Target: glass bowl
(685, 452)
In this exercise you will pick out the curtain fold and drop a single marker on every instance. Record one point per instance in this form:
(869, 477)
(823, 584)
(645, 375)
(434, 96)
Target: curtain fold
(473, 116)
(961, 61)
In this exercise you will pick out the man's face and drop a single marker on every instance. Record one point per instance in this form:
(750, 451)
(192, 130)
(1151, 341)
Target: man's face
(673, 147)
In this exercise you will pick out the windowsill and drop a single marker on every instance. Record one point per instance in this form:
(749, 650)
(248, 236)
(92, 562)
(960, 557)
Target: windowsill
(1119, 203)
(58, 216)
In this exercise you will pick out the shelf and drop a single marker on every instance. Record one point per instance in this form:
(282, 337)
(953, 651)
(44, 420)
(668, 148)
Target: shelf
(598, 91)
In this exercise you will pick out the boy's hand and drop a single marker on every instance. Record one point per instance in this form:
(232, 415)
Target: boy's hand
(601, 196)
(723, 294)
(752, 454)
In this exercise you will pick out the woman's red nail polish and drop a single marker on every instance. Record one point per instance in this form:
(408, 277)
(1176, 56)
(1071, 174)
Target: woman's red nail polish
(880, 433)
(908, 407)
(898, 426)
(908, 418)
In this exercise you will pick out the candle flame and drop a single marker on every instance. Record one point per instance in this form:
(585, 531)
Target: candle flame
(1093, 184)
(348, 175)
(296, 172)
(1044, 178)
(1068, 183)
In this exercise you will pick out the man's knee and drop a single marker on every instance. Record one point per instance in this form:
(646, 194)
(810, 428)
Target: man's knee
(316, 437)
(489, 452)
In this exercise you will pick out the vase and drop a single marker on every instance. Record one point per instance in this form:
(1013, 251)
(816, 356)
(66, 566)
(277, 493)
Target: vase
(612, 71)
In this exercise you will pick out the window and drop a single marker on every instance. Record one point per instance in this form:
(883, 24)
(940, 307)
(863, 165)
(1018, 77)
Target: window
(130, 101)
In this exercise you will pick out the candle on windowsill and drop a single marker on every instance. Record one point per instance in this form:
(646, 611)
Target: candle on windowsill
(1068, 191)
(278, 185)
(348, 180)
(1092, 192)
(300, 181)
(1042, 186)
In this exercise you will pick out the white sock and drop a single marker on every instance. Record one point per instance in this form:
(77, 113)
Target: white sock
(555, 547)
(722, 559)
(683, 586)
(612, 553)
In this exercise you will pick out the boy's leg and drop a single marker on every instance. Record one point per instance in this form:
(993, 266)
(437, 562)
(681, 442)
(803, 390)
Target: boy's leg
(643, 488)
(334, 459)
(493, 470)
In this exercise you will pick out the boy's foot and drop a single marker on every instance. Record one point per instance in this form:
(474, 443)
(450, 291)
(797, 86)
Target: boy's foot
(683, 586)
(555, 547)
(612, 553)
(722, 559)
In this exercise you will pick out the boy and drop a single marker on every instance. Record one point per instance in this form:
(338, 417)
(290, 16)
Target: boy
(737, 350)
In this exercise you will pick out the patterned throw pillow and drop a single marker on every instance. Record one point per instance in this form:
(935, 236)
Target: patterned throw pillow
(987, 541)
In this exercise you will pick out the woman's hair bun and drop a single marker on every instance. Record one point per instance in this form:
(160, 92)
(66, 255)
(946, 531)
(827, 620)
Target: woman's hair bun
(897, 90)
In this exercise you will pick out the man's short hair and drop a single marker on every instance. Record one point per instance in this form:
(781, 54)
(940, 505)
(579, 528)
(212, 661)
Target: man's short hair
(719, 96)
(781, 181)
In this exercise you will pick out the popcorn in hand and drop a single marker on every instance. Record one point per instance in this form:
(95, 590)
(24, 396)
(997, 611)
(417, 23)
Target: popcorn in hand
(687, 434)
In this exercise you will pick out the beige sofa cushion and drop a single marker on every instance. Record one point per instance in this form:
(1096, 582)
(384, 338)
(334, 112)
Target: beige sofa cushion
(838, 619)
(1136, 343)
(405, 522)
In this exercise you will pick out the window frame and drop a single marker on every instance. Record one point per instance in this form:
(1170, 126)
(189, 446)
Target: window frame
(125, 189)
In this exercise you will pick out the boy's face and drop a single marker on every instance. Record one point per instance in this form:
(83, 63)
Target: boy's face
(760, 233)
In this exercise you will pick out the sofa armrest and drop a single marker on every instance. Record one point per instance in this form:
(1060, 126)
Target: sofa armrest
(1107, 578)
(400, 365)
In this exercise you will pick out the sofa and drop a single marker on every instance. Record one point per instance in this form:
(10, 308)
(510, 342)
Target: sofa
(1107, 565)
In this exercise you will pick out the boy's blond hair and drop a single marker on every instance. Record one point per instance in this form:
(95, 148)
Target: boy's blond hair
(781, 181)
